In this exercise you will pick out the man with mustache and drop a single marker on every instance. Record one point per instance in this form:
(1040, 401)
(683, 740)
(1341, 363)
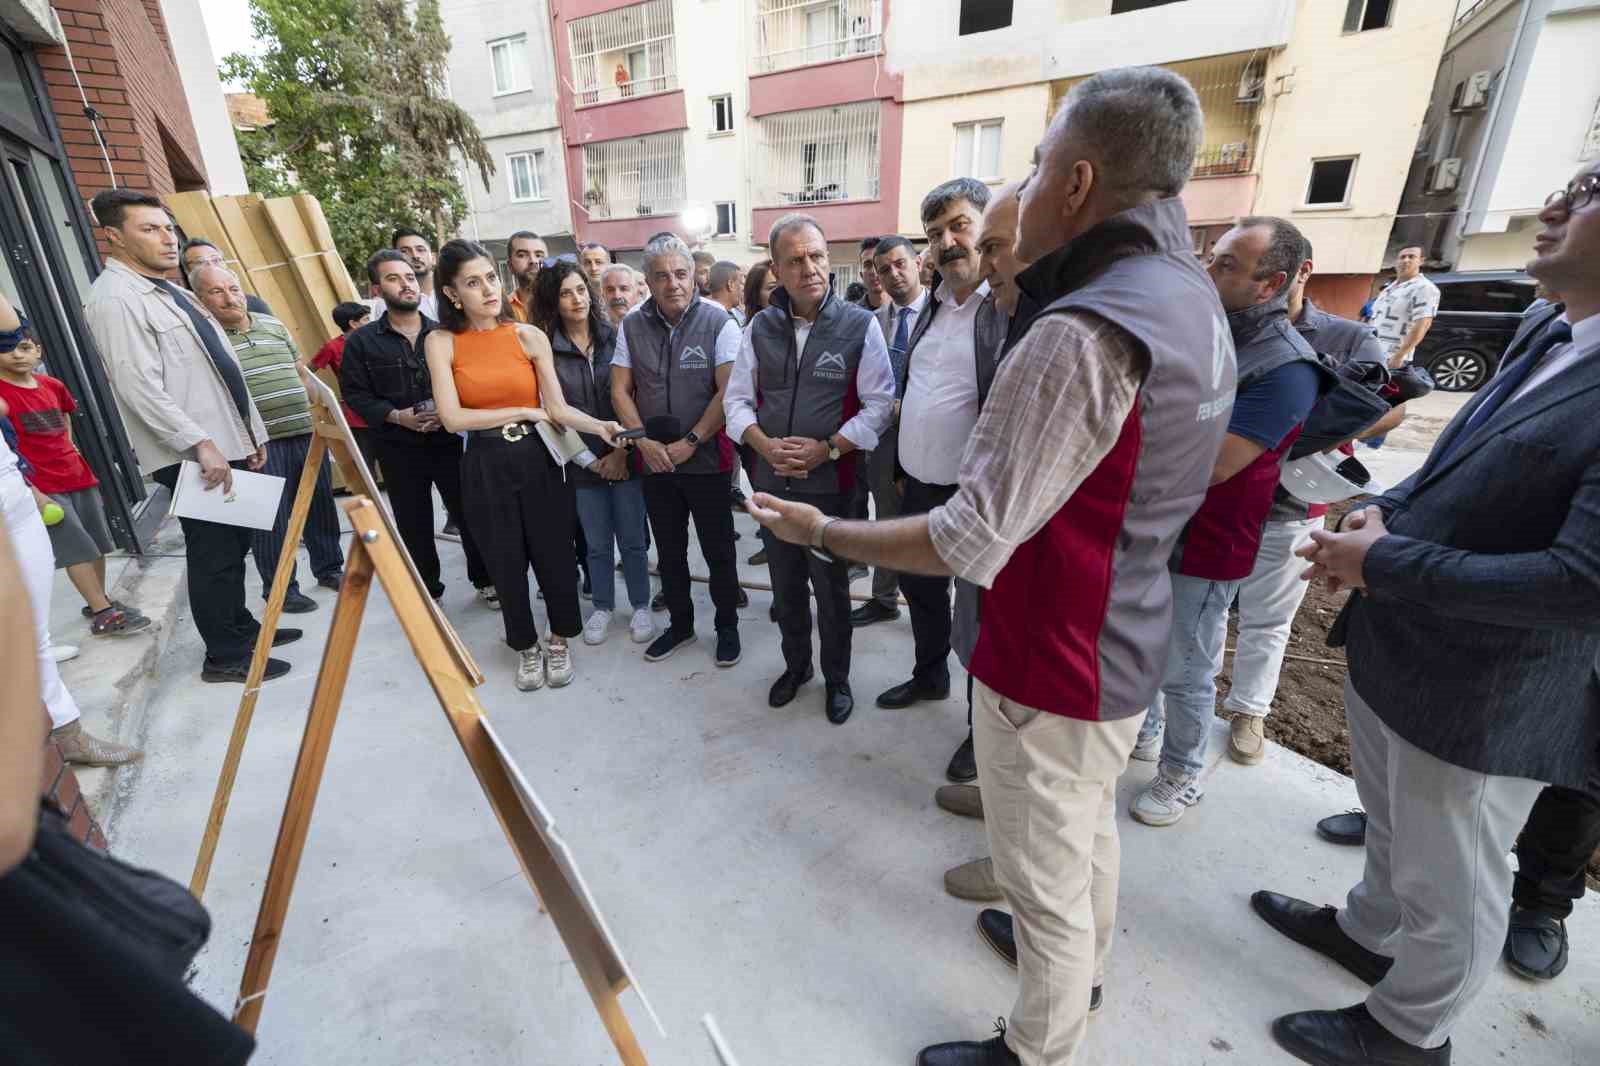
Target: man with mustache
(616, 293)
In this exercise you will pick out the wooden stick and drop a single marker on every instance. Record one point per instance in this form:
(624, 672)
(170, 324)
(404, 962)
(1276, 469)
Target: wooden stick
(1303, 659)
(304, 784)
(258, 666)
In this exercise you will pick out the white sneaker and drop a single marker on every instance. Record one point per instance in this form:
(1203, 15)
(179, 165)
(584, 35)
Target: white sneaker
(1148, 749)
(1168, 796)
(63, 652)
(594, 630)
(530, 670)
(643, 627)
(558, 663)
(489, 597)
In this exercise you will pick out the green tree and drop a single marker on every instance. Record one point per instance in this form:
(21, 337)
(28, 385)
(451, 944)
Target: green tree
(359, 117)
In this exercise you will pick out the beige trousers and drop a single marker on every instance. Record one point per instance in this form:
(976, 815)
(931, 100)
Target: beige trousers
(1049, 804)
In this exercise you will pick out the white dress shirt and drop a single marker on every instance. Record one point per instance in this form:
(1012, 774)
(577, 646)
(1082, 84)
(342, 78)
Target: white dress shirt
(940, 408)
(1585, 339)
(874, 386)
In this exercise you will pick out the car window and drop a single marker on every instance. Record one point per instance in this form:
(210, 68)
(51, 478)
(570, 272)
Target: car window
(1505, 297)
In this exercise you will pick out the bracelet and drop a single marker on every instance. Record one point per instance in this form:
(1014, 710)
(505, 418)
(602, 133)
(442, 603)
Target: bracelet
(821, 532)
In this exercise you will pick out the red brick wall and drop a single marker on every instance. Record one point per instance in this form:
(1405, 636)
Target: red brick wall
(124, 60)
(61, 785)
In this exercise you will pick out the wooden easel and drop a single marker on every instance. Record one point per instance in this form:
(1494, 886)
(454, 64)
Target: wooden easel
(376, 549)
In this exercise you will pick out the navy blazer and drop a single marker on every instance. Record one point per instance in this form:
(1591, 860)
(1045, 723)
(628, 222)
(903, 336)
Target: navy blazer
(1478, 636)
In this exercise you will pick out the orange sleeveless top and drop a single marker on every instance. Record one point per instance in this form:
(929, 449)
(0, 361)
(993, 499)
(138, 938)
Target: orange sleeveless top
(491, 370)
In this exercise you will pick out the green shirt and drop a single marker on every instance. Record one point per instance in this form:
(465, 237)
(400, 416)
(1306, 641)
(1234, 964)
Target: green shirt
(267, 356)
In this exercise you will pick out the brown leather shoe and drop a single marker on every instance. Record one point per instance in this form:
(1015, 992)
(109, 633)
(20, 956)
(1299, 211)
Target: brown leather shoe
(85, 749)
(973, 881)
(965, 800)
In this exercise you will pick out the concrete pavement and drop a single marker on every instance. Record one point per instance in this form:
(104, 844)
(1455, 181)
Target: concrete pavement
(761, 865)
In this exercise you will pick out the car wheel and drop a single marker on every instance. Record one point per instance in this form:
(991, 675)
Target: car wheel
(1460, 370)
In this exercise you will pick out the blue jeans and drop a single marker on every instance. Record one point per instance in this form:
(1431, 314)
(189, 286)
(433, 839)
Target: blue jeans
(1188, 697)
(615, 511)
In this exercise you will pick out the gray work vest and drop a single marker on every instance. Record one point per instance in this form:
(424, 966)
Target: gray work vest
(811, 396)
(674, 371)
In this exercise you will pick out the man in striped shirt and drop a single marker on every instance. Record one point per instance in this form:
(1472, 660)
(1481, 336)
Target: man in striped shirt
(272, 367)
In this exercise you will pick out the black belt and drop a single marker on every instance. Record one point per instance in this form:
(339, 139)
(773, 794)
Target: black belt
(510, 432)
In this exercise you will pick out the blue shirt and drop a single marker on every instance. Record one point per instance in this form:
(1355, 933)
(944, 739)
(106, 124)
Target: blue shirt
(1272, 405)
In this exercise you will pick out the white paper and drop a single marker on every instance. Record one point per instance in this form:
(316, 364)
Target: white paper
(252, 502)
(565, 445)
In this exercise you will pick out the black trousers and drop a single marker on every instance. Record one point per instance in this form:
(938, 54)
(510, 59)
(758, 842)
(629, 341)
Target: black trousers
(1562, 832)
(514, 496)
(792, 568)
(286, 457)
(928, 597)
(671, 500)
(215, 555)
(410, 473)
(367, 445)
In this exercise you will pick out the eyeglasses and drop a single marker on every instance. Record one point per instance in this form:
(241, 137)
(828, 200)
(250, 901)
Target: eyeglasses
(1576, 196)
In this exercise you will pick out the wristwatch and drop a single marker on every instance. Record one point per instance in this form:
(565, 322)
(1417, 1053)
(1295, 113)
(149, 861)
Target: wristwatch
(692, 437)
(833, 450)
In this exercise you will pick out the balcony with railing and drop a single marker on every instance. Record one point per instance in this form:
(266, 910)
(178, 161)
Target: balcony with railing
(623, 54)
(825, 161)
(797, 33)
(636, 177)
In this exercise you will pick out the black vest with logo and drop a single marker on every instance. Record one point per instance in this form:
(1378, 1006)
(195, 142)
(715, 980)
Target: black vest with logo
(674, 371)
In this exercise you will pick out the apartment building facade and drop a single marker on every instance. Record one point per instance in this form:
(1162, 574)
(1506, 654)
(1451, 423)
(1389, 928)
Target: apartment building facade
(500, 71)
(1514, 112)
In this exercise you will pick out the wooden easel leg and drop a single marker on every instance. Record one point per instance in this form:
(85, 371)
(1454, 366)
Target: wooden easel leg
(258, 665)
(303, 786)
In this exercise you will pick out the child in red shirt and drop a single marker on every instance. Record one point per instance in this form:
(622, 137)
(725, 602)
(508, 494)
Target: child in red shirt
(39, 406)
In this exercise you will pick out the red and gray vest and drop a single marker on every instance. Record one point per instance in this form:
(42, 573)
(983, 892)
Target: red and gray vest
(1077, 621)
(811, 395)
(674, 372)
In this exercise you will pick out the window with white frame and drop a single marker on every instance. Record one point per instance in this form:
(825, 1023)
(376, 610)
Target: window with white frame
(722, 114)
(525, 171)
(792, 33)
(1363, 15)
(727, 219)
(508, 59)
(827, 153)
(1331, 181)
(634, 176)
(623, 53)
(978, 150)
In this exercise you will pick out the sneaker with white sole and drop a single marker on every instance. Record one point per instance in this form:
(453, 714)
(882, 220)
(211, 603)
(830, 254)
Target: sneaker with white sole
(1168, 796)
(530, 669)
(1247, 739)
(594, 630)
(558, 663)
(643, 627)
(1148, 747)
(489, 597)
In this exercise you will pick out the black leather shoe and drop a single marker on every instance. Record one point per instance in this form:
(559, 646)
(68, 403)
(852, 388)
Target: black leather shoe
(788, 683)
(839, 703)
(994, 927)
(297, 602)
(1536, 945)
(658, 602)
(1318, 929)
(286, 636)
(235, 673)
(963, 764)
(972, 1052)
(1349, 828)
(1350, 1037)
(873, 611)
(742, 600)
(913, 691)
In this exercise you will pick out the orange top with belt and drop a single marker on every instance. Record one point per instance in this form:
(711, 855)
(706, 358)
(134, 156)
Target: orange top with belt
(491, 369)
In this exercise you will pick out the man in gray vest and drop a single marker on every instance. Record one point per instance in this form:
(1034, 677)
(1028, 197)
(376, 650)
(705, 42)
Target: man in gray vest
(668, 374)
(1124, 379)
(812, 384)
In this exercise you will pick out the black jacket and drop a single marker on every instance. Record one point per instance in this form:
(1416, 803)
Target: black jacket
(586, 385)
(382, 372)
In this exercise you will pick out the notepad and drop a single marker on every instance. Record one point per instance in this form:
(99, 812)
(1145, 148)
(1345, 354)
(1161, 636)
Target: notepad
(252, 502)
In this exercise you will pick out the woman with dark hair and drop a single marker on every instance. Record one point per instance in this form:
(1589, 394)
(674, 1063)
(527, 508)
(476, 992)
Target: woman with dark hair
(759, 282)
(610, 500)
(493, 379)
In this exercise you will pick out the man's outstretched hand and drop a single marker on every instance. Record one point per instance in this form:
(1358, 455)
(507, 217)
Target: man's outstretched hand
(788, 520)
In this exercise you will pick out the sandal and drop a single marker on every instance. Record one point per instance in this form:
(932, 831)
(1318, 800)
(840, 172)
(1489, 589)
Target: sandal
(119, 605)
(116, 622)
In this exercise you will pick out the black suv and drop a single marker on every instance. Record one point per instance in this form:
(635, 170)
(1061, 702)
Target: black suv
(1479, 310)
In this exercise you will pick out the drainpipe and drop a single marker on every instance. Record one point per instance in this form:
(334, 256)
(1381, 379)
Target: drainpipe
(1490, 124)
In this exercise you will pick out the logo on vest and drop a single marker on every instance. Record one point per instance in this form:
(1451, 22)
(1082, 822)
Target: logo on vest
(830, 365)
(693, 358)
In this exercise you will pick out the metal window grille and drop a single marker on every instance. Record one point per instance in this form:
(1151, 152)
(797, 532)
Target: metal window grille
(634, 176)
(624, 53)
(792, 33)
(805, 157)
(844, 275)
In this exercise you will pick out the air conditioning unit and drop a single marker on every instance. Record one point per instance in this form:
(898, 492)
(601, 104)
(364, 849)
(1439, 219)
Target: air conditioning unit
(1252, 83)
(1442, 176)
(1473, 93)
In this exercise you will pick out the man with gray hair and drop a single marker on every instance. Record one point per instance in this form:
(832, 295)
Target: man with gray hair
(616, 293)
(668, 375)
(1123, 381)
(825, 390)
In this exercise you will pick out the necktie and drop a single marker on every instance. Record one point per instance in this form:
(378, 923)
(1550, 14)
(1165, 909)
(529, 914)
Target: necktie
(897, 347)
(1507, 382)
(221, 356)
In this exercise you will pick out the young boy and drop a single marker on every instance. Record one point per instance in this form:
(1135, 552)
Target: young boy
(349, 317)
(39, 406)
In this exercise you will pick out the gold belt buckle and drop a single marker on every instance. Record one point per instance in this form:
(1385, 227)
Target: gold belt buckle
(513, 431)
